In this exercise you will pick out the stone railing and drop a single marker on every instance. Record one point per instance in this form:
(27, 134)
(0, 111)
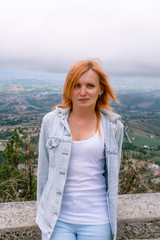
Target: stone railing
(138, 218)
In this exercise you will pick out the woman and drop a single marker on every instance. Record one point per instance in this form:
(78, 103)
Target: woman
(79, 159)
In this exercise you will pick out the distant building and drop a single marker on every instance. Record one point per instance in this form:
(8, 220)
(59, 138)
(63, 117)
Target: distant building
(153, 166)
(2, 148)
(145, 146)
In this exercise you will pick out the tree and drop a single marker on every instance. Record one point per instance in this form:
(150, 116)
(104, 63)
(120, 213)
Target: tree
(30, 167)
(17, 171)
(13, 153)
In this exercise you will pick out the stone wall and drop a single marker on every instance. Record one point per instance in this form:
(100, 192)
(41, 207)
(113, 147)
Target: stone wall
(138, 218)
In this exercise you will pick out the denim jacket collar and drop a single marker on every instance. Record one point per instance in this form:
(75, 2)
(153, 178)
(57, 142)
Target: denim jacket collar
(63, 114)
(111, 115)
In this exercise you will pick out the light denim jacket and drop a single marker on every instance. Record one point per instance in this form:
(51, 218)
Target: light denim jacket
(54, 154)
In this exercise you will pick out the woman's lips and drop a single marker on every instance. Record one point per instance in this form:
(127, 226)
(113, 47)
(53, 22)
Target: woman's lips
(83, 99)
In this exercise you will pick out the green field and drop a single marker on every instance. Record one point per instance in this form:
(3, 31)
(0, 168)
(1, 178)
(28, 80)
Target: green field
(144, 134)
(145, 140)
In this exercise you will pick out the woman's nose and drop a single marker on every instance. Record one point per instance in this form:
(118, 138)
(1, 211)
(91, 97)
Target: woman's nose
(83, 90)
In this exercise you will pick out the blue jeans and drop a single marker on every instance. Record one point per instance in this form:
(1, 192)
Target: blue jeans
(69, 231)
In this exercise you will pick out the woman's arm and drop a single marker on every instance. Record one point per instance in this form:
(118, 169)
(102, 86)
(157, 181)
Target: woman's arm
(119, 139)
(43, 161)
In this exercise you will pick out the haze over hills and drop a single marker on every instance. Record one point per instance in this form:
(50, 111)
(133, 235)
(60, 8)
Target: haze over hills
(137, 83)
(119, 82)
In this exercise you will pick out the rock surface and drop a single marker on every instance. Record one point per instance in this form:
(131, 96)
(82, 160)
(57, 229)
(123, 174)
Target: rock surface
(138, 218)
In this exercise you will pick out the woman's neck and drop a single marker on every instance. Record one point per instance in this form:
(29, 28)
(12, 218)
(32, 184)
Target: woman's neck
(82, 113)
(83, 124)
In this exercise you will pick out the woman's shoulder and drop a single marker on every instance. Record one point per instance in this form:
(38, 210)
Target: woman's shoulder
(57, 113)
(112, 116)
(48, 116)
(115, 122)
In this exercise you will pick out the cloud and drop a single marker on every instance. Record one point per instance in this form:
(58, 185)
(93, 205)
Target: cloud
(51, 35)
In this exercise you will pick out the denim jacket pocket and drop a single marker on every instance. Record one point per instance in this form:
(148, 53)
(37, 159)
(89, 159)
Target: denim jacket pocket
(52, 145)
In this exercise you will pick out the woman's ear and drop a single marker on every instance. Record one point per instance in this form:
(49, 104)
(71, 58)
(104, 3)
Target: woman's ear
(101, 91)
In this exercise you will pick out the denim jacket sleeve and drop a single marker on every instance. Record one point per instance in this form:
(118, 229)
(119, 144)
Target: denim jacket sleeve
(119, 139)
(43, 161)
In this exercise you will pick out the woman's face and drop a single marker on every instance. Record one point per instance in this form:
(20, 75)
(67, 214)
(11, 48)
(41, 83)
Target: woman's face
(87, 90)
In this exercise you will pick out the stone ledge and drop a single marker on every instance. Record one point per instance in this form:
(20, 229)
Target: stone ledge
(138, 218)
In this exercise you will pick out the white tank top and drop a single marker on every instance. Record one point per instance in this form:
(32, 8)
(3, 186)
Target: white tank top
(84, 198)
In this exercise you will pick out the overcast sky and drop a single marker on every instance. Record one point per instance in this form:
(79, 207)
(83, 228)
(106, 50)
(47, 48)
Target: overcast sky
(50, 35)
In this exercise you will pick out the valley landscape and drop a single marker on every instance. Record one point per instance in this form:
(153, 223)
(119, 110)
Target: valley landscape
(24, 102)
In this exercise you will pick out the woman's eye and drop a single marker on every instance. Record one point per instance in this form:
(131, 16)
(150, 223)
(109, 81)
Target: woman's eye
(77, 85)
(90, 85)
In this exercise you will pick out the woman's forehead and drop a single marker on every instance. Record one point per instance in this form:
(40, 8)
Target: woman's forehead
(89, 75)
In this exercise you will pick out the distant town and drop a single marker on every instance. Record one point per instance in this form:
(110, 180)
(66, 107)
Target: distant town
(24, 103)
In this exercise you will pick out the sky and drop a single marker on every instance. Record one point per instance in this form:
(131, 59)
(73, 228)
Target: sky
(51, 35)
